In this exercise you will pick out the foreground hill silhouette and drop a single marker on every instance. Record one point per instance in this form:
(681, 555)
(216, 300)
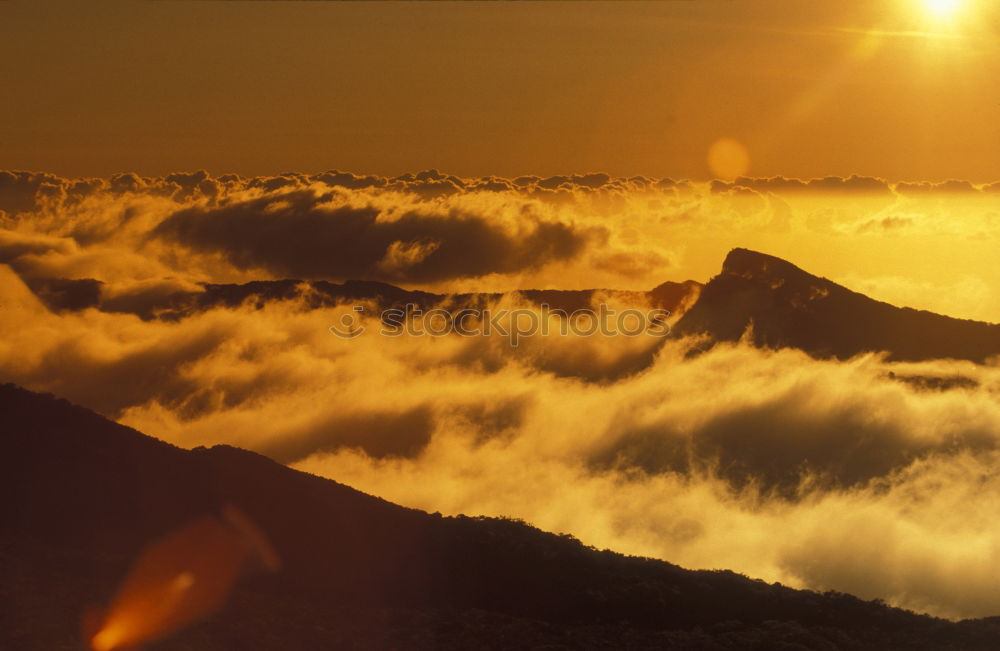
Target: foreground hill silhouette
(82, 495)
(780, 305)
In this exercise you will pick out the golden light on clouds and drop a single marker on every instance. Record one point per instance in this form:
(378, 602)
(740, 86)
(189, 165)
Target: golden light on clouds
(340, 249)
(728, 158)
(104, 277)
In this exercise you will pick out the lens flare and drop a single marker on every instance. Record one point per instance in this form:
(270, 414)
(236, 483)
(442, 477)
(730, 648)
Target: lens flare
(728, 158)
(179, 579)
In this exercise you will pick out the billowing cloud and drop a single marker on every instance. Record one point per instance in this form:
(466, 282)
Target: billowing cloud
(304, 235)
(199, 310)
(770, 463)
(24, 191)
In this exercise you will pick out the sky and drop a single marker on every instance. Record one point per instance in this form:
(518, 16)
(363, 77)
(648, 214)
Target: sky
(149, 149)
(899, 89)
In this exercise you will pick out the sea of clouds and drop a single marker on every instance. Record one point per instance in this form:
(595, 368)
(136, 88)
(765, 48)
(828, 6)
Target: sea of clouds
(857, 475)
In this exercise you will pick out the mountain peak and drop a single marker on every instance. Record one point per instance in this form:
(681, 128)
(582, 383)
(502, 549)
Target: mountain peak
(749, 264)
(791, 308)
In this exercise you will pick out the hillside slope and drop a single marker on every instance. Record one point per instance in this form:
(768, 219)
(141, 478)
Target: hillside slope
(788, 307)
(83, 494)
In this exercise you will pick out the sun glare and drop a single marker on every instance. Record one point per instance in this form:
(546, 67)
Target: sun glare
(943, 8)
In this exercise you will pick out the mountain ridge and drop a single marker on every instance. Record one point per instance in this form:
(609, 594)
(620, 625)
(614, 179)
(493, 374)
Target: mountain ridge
(778, 305)
(92, 492)
(786, 306)
(68, 295)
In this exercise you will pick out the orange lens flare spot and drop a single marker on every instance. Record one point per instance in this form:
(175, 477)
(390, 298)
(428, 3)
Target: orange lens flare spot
(181, 578)
(728, 158)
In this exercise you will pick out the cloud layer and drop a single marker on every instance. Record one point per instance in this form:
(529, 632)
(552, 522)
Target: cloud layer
(143, 237)
(865, 475)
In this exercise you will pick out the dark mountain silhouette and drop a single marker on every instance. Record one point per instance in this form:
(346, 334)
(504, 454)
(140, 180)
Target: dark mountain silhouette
(82, 495)
(61, 294)
(156, 303)
(775, 303)
(783, 306)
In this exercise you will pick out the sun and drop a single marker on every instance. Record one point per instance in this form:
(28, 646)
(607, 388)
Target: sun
(943, 8)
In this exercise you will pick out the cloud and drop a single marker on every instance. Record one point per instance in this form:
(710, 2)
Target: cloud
(304, 235)
(943, 188)
(790, 444)
(885, 224)
(18, 249)
(379, 434)
(160, 301)
(859, 185)
(770, 463)
(574, 231)
(23, 191)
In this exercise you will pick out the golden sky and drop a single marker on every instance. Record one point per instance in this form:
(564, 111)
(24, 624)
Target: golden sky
(106, 100)
(901, 89)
